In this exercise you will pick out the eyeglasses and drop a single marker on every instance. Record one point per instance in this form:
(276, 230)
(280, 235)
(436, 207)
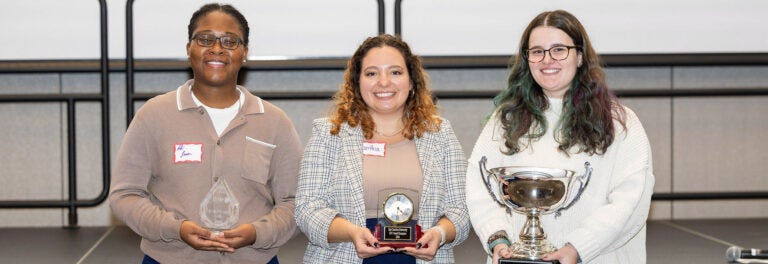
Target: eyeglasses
(556, 53)
(209, 40)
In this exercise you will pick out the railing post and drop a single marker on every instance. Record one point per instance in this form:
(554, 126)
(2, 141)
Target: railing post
(399, 18)
(129, 62)
(72, 203)
(382, 13)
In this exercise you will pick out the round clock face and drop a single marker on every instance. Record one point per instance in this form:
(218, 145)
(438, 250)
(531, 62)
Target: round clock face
(398, 208)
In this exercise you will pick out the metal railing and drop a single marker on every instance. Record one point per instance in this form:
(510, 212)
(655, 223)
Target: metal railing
(130, 67)
(646, 60)
(104, 66)
(72, 203)
(502, 61)
(456, 62)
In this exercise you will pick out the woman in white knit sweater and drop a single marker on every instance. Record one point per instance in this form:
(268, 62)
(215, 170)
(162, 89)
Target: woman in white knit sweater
(557, 112)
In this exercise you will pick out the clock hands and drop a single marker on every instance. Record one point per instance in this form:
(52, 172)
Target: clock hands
(398, 208)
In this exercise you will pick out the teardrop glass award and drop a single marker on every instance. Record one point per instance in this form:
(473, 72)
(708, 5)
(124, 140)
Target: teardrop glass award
(219, 209)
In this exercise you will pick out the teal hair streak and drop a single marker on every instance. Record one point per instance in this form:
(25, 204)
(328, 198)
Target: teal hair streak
(579, 126)
(520, 110)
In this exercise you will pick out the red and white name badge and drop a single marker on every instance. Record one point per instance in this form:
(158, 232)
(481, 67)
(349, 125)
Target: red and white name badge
(378, 149)
(188, 152)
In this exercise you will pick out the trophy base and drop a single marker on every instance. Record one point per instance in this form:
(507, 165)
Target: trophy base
(399, 245)
(397, 236)
(216, 232)
(527, 261)
(531, 249)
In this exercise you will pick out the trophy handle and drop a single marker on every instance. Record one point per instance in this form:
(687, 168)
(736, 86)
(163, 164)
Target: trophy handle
(483, 171)
(583, 182)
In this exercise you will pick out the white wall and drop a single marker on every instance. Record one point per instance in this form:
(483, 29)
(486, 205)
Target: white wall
(731, 157)
(442, 27)
(55, 29)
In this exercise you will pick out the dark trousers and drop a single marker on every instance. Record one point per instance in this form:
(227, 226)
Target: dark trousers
(150, 260)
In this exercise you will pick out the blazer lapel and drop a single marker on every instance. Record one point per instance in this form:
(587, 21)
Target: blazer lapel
(353, 160)
(425, 149)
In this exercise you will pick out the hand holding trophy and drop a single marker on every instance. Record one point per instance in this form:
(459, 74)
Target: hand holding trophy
(533, 191)
(219, 210)
(396, 226)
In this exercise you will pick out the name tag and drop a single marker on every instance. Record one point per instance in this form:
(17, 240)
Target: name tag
(378, 149)
(188, 152)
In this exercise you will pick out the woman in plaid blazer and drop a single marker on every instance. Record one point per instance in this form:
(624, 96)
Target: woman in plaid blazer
(384, 106)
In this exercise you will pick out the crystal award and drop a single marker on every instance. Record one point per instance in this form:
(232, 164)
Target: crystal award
(219, 209)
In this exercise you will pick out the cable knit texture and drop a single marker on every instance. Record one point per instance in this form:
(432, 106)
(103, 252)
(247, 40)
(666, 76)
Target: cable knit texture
(607, 224)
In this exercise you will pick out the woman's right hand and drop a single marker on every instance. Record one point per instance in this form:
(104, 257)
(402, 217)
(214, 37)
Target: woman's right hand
(365, 243)
(501, 251)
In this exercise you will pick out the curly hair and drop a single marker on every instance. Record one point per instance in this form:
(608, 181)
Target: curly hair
(420, 113)
(589, 108)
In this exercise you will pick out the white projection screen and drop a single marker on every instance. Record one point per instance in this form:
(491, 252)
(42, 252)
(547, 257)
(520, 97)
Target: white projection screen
(56, 29)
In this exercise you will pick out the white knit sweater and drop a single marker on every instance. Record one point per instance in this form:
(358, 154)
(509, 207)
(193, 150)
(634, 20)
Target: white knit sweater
(607, 225)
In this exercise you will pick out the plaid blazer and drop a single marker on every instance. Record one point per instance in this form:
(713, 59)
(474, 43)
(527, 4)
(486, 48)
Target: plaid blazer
(330, 185)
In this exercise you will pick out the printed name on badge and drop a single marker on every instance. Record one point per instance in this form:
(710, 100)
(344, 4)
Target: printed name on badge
(187, 152)
(378, 149)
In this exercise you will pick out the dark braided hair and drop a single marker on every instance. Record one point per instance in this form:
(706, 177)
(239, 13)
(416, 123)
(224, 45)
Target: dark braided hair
(227, 9)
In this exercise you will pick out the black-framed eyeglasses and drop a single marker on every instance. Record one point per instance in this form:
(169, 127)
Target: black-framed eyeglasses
(209, 40)
(556, 53)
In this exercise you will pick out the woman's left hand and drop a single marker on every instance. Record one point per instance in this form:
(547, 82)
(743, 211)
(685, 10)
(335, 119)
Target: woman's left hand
(426, 247)
(238, 237)
(566, 255)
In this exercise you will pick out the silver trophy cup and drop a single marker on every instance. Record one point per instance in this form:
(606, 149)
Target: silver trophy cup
(533, 191)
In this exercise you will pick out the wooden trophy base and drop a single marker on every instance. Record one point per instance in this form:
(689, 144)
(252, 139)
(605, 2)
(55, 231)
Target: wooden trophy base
(398, 236)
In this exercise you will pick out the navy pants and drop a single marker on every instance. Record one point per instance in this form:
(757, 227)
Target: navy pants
(150, 260)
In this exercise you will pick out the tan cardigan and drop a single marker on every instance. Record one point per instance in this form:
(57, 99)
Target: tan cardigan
(153, 191)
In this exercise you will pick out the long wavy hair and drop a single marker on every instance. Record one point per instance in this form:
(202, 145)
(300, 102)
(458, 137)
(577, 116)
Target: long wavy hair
(420, 113)
(589, 108)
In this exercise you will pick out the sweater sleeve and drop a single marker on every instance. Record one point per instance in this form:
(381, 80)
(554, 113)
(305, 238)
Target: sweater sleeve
(486, 214)
(624, 215)
(313, 204)
(129, 198)
(278, 226)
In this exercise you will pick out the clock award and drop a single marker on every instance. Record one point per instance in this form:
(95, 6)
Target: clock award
(396, 226)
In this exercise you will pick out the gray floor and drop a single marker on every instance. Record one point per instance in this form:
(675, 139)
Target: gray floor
(688, 241)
